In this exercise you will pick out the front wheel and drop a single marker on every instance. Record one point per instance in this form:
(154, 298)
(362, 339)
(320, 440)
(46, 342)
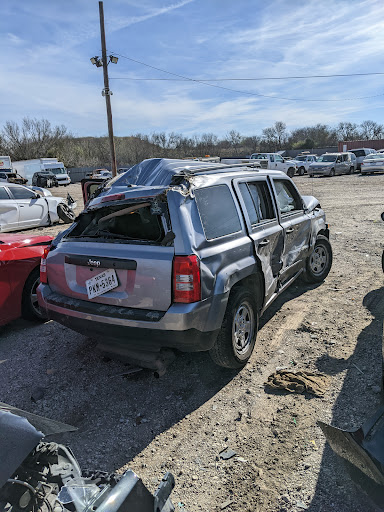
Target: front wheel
(65, 213)
(30, 309)
(332, 173)
(291, 172)
(301, 171)
(237, 337)
(351, 170)
(319, 262)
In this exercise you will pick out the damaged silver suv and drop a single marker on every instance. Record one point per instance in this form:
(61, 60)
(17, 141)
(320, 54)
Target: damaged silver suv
(183, 254)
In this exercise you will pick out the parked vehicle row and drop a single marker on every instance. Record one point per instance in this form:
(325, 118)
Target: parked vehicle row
(183, 254)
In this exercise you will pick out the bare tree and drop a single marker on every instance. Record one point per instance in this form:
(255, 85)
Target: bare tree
(33, 138)
(371, 130)
(235, 139)
(347, 131)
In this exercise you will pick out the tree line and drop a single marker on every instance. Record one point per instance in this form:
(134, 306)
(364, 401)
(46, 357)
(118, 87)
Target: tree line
(35, 138)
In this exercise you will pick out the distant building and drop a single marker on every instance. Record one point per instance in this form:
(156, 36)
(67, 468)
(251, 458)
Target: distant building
(355, 144)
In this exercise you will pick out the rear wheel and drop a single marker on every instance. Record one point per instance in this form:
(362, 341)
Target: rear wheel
(237, 337)
(65, 213)
(30, 309)
(351, 170)
(332, 173)
(319, 262)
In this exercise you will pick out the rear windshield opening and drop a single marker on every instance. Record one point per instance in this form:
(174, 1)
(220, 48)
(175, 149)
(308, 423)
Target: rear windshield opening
(130, 222)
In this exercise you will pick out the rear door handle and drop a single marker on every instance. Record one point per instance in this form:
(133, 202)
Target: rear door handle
(289, 230)
(264, 242)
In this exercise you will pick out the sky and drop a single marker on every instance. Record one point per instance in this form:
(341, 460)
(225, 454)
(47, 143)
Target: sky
(46, 47)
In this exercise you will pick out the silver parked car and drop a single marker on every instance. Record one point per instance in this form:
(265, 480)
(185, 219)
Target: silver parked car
(331, 164)
(372, 163)
(183, 254)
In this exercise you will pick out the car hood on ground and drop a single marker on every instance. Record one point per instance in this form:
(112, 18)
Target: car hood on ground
(15, 241)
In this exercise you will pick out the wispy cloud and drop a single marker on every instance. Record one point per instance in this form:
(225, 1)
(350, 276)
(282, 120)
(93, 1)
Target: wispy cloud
(117, 23)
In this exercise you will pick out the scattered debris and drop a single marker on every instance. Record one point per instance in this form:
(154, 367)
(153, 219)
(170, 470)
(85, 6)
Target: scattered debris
(299, 382)
(37, 394)
(314, 444)
(300, 504)
(225, 455)
(226, 504)
(129, 372)
(357, 368)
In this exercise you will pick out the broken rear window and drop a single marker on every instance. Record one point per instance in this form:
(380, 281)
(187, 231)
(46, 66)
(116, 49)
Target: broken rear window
(124, 222)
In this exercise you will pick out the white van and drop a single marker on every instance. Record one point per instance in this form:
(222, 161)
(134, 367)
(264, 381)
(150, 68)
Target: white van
(360, 154)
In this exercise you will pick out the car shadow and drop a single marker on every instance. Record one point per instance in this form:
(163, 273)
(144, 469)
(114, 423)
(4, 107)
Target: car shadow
(357, 401)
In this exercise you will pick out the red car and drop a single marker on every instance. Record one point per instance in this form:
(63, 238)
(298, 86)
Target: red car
(19, 276)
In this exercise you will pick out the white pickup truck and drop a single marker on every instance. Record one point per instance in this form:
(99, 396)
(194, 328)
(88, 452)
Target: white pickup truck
(275, 162)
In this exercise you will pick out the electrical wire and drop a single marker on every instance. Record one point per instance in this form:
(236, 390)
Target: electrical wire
(236, 90)
(248, 79)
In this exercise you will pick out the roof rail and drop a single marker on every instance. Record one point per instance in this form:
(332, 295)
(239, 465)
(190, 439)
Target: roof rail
(194, 170)
(179, 176)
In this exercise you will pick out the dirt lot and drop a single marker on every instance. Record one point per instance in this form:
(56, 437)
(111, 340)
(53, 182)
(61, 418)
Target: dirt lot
(182, 421)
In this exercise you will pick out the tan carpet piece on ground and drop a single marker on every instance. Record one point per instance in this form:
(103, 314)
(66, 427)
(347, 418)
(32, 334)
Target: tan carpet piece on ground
(299, 382)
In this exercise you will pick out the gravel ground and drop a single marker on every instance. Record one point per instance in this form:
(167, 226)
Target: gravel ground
(182, 421)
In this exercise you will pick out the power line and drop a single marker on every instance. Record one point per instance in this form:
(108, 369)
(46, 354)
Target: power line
(185, 78)
(247, 79)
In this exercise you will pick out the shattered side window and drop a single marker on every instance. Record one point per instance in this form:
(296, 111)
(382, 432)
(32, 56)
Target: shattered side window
(257, 201)
(288, 199)
(217, 211)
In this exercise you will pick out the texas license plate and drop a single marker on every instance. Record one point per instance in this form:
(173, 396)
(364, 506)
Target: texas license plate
(101, 283)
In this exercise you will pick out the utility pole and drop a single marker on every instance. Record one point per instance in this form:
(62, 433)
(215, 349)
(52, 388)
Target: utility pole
(106, 91)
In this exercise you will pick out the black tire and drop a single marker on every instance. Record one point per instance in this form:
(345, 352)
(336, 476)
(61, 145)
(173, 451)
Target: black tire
(65, 213)
(382, 261)
(332, 173)
(291, 172)
(319, 262)
(301, 171)
(351, 170)
(29, 306)
(227, 351)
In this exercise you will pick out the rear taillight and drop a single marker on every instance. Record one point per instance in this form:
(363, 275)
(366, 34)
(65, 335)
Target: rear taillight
(186, 279)
(43, 266)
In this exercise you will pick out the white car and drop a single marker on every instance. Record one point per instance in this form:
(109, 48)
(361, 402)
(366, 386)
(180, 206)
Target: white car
(22, 208)
(104, 175)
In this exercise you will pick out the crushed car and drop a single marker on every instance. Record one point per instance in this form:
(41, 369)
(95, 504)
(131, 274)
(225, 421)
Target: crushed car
(186, 255)
(44, 179)
(20, 276)
(37, 475)
(22, 207)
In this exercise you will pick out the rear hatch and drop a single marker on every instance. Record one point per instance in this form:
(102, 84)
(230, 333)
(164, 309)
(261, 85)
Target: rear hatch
(118, 253)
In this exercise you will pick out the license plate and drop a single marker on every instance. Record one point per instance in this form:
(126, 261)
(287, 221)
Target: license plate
(102, 283)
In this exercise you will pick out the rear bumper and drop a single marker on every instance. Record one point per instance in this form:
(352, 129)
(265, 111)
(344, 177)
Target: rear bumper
(187, 327)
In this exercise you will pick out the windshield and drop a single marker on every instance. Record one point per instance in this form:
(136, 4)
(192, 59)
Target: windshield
(327, 158)
(259, 156)
(59, 170)
(374, 156)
